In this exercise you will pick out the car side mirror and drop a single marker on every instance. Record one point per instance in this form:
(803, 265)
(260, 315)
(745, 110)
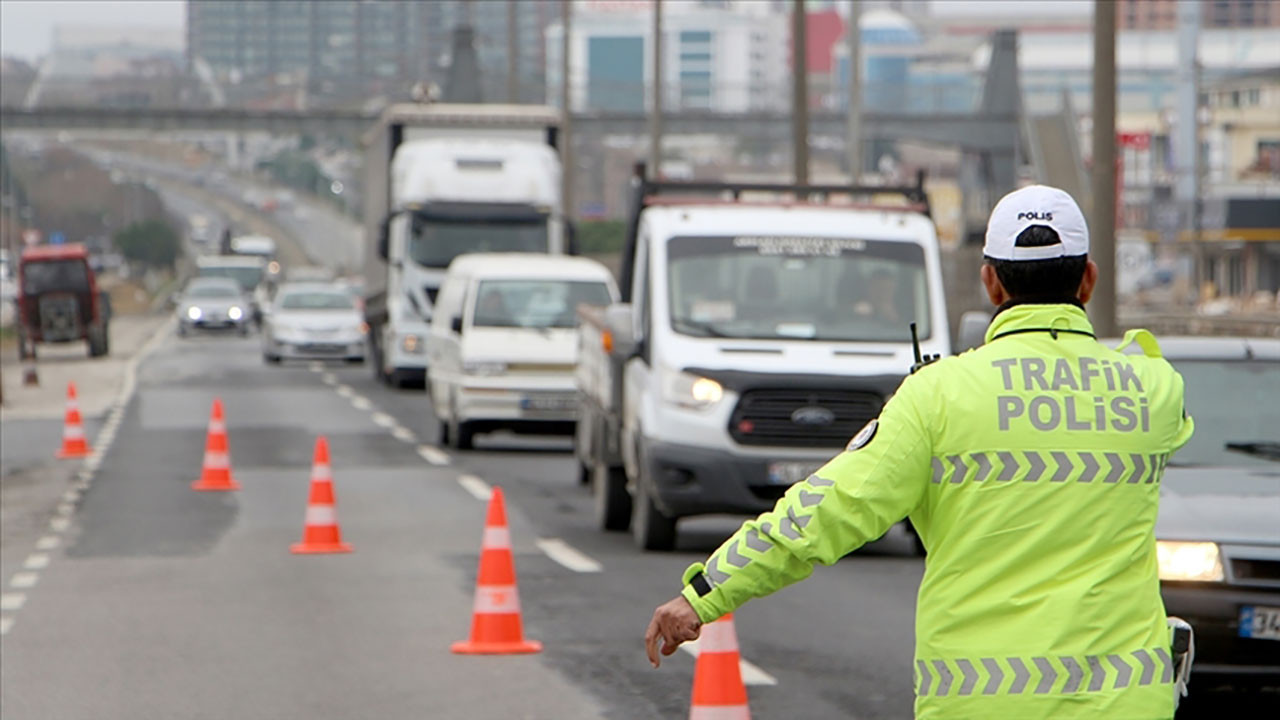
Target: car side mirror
(456, 324)
(973, 329)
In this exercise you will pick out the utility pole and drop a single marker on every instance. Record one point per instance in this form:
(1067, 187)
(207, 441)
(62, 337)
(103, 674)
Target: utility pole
(513, 49)
(853, 41)
(1186, 135)
(655, 113)
(1103, 232)
(566, 127)
(799, 95)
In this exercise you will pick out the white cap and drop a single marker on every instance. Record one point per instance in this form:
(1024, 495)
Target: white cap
(1036, 205)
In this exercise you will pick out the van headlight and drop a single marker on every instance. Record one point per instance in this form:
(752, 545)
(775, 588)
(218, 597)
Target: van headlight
(1194, 561)
(690, 391)
(484, 368)
(235, 313)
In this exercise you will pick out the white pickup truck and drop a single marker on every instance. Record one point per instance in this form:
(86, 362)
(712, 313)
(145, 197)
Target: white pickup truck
(760, 328)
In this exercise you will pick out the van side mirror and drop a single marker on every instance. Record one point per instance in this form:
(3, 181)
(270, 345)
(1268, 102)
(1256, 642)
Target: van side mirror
(973, 329)
(456, 324)
(384, 238)
(620, 321)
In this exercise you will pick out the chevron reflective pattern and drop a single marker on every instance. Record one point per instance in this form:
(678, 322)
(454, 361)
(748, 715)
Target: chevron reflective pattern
(757, 541)
(1055, 466)
(1043, 674)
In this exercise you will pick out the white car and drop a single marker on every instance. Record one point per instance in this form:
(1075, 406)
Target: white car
(212, 303)
(503, 348)
(313, 321)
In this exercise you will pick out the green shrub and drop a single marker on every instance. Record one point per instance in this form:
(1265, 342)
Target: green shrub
(151, 242)
(597, 237)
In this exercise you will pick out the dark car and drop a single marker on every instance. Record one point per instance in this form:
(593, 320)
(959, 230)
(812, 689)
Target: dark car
(1218, 533)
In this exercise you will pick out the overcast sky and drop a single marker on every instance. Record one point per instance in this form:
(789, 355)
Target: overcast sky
(26, 26)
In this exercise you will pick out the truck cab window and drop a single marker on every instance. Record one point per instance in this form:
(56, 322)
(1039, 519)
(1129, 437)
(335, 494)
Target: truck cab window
(435, 242)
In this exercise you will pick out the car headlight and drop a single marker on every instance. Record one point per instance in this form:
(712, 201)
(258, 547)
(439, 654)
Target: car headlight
(412, 344)
(235, 313)
(484, 368)
(691, 391)
(194, 313)
(1197, 561)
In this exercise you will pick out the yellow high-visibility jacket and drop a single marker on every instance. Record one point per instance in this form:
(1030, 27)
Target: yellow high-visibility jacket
(1031, 469)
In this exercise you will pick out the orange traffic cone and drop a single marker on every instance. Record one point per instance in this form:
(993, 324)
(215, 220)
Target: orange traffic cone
(718, 692)
(320, 532)
(496, 628)
(216, 470)
(74, 444)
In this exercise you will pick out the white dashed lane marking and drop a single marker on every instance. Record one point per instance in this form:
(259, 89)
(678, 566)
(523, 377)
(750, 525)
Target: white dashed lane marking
(23, 580)
(36, 561)
(383, 420)
(403, 434)
(478, 488)
(361, 402)
(433, 455)
(12, 601)
(751, 673)
(346, 391)
(48, 542)
(59, 524)
(568, 556)
(316, 366)
(329, 379)
(5, 624)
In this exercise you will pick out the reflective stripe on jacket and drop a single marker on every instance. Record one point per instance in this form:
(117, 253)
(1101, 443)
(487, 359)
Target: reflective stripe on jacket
(1031, 469)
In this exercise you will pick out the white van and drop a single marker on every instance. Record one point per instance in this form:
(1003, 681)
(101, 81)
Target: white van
(502, 348)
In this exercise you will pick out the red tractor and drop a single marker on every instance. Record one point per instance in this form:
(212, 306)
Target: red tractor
(58, 299)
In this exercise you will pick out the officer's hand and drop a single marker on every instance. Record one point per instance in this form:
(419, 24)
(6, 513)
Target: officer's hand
(672, 623)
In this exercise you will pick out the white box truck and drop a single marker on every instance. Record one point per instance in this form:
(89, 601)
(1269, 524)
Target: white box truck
(761, 326)
(441, 181)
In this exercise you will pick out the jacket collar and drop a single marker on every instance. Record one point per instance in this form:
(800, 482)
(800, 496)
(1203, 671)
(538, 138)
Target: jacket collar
(1029, 317)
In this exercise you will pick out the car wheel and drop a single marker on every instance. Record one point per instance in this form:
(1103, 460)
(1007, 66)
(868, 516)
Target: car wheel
(271, 359)
(98, 343)
(612, 501)
(650, 529)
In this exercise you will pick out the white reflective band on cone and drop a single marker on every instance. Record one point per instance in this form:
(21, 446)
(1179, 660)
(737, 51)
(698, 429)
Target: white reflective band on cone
(321, 515)
(73, 405)
(216, 461)
(217, 426)
(730, 712)
(72, 431)
(717, 637)
(496, 538)
(321, 473)
(496, 599)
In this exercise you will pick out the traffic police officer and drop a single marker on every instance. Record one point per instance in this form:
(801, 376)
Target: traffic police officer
(1031, 469)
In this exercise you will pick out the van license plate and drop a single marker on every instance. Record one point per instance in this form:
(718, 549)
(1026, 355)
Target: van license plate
(1259, 622)
(790, 473)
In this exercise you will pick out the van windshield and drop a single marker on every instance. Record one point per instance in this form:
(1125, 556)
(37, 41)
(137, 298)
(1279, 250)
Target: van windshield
(436, 242)
(247, 276)
(798, 288)
(535, 303)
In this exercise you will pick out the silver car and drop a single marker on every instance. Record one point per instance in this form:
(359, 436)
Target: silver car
(313, 321)
(210, 303)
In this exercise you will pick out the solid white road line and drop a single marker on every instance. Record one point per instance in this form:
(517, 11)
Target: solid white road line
(751, 673)
(346, 391)
(59, 524)
(36, 561)
(5, 624)
(478, 488)
(568, 556)
(403, 434)
(361, 402)
(65, 509)
(48, 542)
(71, 495)
(383, 420)
(23, 580)
(12, 601)
(433, 455)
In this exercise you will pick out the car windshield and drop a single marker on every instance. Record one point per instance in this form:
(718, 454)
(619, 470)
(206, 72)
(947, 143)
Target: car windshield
(435, 243)
(247, 276)
(213, 290)
(841, 289)
(317, 300)
(1226, 399)
(535, 303)
(51, 276)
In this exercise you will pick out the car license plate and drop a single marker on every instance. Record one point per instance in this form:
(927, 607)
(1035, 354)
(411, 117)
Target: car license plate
(549, 403)
(1260, 622)
(790, 473)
